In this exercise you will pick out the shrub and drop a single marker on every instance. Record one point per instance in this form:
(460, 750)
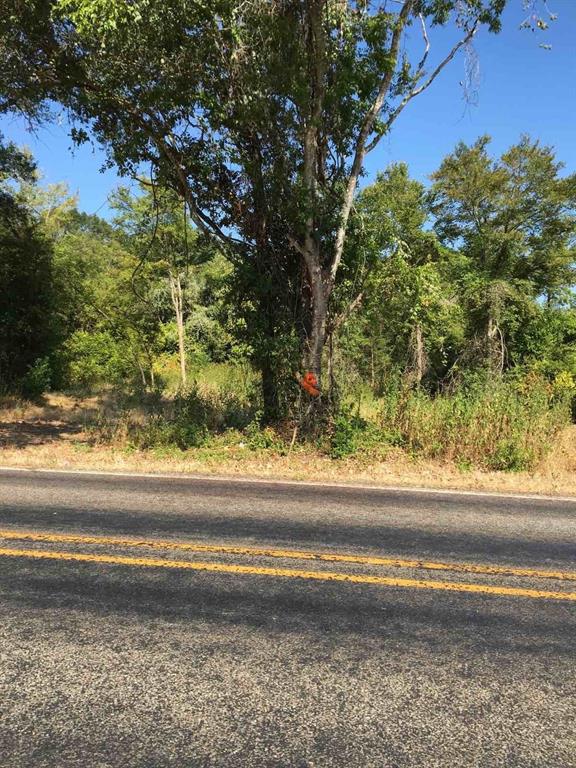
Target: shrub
(348, 430)
(260, 438)
(91, 358)
(190, 419)
(37, 380)
(506, 424)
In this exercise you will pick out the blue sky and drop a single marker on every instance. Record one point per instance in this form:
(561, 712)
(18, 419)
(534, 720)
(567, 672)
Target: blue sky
(522, 88)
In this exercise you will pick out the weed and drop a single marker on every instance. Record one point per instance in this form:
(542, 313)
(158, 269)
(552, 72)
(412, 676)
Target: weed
(507, 424)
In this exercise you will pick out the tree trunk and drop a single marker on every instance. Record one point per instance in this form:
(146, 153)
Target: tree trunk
(178, 304)
(331, 387)
(150, 363)
(142, 373)
(317, 335)
(419, 364)
(271, 403)
(495, 349)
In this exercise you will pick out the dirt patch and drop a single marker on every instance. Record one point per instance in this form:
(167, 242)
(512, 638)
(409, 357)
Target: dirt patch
(19, 434)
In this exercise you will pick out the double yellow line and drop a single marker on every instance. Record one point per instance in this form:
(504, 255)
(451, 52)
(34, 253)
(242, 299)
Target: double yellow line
(287, 572)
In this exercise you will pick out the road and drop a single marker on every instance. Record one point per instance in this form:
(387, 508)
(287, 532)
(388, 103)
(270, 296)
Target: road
(150, 622)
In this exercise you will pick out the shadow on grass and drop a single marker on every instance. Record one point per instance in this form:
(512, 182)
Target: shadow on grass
(24, 434)
(56, 417)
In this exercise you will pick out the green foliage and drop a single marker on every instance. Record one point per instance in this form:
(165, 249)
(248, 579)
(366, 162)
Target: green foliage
(490, 286)
(15, 164)
(187, 428)
(513, 220)
(259, 437)
(260, 121)
(348, 431)
(94, 358)
(506, 425)
(194, 415)
(352, 434)
(38, 379)
(27, 297)
(461, 345)
(407, 294)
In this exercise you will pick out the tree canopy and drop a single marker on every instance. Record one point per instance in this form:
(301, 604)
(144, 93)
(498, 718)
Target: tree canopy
(513, 220)
(259, 114)
(26, 298)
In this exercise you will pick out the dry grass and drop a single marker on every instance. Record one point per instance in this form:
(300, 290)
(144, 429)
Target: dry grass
(53, 435)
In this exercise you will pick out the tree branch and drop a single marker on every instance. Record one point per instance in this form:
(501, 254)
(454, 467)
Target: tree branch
(365, 131)
(422, 62)
(339, 319)
(417, 91)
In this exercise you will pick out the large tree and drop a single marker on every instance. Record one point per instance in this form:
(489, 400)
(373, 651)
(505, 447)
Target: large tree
(514, 221)
(26, 282)
(259, 113)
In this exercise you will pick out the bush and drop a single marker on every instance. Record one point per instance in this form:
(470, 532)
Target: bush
(351, 434)
(191, 418)
(261, 438)
(348, 430)
(37, 380)
(92, 358)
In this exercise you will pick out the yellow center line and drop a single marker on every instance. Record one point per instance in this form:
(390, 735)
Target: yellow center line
(331, 557)
(287, 573)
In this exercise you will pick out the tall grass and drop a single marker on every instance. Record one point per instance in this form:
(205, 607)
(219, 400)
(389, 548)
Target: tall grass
(499, 424)
(189, 419)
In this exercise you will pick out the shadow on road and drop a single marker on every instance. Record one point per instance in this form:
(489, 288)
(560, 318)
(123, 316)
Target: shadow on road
(385, 617)
(381, 537)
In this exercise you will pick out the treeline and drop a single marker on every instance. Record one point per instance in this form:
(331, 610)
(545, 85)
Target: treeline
(262, 123)
(88, 303)
(473, 275)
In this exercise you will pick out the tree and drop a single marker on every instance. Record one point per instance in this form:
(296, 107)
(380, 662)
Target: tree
(107, 334)
(409, 317)
(514, 220)
(259, 114)
(159, 233)
(26, 288)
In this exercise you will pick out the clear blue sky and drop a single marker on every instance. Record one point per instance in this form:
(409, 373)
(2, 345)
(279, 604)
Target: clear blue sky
(522, 89)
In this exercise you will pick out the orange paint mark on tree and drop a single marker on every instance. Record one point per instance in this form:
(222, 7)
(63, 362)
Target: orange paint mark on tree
(309, 382)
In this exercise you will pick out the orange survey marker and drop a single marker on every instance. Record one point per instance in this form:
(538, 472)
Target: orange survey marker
(310, 383)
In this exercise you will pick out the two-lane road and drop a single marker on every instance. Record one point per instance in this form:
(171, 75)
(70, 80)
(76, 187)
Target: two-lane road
(155, 621)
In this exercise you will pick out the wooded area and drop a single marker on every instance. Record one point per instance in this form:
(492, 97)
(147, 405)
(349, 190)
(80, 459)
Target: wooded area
(440, 317)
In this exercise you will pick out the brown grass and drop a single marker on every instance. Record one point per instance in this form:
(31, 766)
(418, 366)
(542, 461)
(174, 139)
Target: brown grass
(54, 435)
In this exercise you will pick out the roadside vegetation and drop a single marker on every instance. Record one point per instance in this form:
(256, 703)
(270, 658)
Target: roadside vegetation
(101, 432)
(462, 349)
(246, 292)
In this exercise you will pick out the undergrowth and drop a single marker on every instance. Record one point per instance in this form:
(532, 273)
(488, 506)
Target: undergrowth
(503, 424)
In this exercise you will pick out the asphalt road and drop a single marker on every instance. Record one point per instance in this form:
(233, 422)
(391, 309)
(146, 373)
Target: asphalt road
(152, 622)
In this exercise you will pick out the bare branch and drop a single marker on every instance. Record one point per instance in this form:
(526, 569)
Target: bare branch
(365, 131)
(422, 62)
(417, 91)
